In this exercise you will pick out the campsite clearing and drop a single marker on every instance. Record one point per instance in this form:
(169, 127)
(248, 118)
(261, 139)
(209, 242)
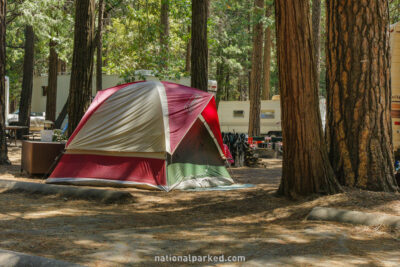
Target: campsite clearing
(250, 222)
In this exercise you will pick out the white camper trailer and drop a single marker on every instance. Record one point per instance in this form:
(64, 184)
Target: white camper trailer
(395, 78)
(234, 115)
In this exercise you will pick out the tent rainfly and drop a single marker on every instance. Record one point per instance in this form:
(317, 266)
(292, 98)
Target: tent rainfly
(150, 134)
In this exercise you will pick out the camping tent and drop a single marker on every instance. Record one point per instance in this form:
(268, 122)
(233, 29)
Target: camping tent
(146, 134)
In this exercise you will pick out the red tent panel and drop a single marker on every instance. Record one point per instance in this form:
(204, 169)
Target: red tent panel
(210, 115)
(132, 169)
(184, 107)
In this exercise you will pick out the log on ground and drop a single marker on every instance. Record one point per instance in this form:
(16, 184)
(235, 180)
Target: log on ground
(102, 195)
(353, 217)
(15, 259)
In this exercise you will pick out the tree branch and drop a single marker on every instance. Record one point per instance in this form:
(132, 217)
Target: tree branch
(111, 7)
(12, 17)
(15, 47)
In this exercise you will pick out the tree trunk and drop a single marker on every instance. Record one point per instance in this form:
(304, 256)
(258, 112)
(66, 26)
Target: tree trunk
(3, 142)
(256, 72)
(63, 66)
(249, 55)
(164, 34)
(227, 85)
(316, 34)
(99, 48)
(27, 81)
(13, 105)
(80, 90)
(220, 82)
(199, 57)
(188, 53)
(267, 61)
(51, 95)
(359, 130)
(61, 116)
(106, 22)
(240, 88)
(306, 169)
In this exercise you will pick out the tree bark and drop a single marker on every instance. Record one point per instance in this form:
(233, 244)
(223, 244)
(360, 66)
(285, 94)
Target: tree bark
(80, 90)
(316, 34)
(3, 142)
(164, 34)
(51, 95)
(359, 129)
(27, 81)
(267, 60)
(199, 57)
(99, 47)
(306, 169)
(256, 71)
(188, 53)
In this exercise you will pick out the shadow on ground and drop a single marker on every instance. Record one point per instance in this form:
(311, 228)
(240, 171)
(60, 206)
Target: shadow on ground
(252, 222)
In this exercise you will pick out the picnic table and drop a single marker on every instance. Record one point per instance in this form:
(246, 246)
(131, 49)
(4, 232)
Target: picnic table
(13, 129)
(38, 157)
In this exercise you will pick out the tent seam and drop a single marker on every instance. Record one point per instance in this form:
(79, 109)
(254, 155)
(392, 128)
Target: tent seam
(162, 93)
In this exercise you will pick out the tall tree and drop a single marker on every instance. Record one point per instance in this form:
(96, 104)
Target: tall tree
(51, 95)
(99, 47)
(199, 56)
(164, 33)
(267, 58)
(306, 168)
(256, 70)
(27, 80)
(80, 90)
(249, 55)
(3, 143)
(220, 74)
(188, 52)
(359, 131)
(316, 33)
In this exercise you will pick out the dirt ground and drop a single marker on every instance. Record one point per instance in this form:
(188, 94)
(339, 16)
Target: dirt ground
(253, 222)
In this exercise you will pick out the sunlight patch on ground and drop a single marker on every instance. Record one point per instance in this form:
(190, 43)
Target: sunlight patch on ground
(88, 243)
(54, 213)
(293, 239)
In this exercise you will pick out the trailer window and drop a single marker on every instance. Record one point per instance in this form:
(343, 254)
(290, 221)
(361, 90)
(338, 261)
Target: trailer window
(238, 113)
(267, 114)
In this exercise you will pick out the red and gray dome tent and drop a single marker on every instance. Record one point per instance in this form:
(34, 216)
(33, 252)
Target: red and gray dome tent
(146, 134)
